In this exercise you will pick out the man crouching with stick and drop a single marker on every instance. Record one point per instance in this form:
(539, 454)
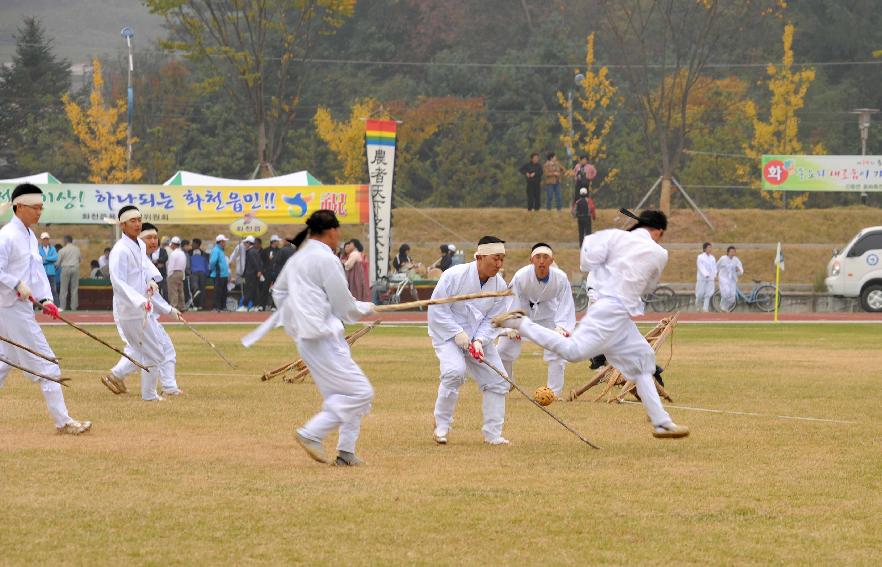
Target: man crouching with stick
(626, 265)
(313, 297)
(22, 277)
(460, 328)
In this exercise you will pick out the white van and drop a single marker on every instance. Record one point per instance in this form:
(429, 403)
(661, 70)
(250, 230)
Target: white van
(856, 270)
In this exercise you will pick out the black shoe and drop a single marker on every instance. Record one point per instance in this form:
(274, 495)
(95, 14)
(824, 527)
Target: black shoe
(658, 375)
(597, 362)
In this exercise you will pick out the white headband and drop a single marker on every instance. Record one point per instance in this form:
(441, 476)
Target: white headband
(129, 215)
(31, 199)
(542, 250)
(490, 249)
(148, 232)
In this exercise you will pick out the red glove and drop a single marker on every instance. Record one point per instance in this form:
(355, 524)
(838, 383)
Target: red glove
(148, 307)
(476, 350)
(51, 309)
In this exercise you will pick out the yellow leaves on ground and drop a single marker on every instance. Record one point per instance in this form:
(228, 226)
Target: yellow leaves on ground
(101, 133)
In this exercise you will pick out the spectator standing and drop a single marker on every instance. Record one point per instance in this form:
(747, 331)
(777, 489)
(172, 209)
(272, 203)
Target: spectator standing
(50, 256)
(219, 271)
(253, 273)
(583, 174)
(186, 247)
(102, 263)
(584, 211)
(177, 267)
(69, 261)
(551, 172)
(706, 273)
(353, 263)
(198, 273)
(729, 267)
(532, 172)
(160, 260)
(237, 258)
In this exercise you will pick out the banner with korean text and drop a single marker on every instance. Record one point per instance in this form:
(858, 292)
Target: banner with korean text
(849, 174)
(87, 203)
(380, 143)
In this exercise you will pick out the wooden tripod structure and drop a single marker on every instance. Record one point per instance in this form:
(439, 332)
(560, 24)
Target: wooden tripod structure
(612, 377)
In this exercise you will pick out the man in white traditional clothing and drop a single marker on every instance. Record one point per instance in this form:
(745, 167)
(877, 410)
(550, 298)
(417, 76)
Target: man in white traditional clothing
(312, 298)
(706, 273)
(168, 383)
(729, 268)
(461, 333)
(544, 292)
(626, 266)
(134, 290)
(22, 278)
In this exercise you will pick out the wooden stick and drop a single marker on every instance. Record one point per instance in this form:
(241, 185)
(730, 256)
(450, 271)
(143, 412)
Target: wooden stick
(93, 337)
(441, 300)
(30, 350)
(206, 341)
(37, 374)
(300, 366)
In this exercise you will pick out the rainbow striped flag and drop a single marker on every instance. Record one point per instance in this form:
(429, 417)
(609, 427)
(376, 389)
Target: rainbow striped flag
(381, 132)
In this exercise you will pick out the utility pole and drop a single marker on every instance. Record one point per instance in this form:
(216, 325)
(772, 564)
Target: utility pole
(128, 34)
(864, 115)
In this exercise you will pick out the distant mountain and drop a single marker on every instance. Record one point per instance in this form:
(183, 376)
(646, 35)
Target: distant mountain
(80, 28)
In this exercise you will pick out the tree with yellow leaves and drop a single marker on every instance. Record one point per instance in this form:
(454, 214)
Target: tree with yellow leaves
(101, 133)
(346, 137)
(779, 134)
(591, 124)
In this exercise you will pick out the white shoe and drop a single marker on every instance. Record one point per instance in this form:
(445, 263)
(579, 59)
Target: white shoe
(242, 309)
(440, 436)
(670, 431)
(158, 398)
(74, 427)
(172, 393)
(497, 441)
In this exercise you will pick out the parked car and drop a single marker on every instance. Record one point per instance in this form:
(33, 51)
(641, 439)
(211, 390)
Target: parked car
(856, 270)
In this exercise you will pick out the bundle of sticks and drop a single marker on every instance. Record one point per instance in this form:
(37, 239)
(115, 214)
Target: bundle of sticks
(612, 377)
(296, 372)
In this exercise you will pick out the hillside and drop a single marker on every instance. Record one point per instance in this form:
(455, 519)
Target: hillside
(808, 236)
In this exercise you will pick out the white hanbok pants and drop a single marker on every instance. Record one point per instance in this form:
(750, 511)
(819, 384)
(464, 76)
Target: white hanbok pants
(144, 344)
(18, 323)
(727, 293)
(704, 289)
(167, 378)
(510, 350)
(607, 329)
(455, 364)
(346, 390)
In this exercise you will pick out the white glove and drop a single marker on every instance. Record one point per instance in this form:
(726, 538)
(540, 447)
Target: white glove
(562, 331)
(152, 287)
(513, 334)
(176, 314)
(462, 340)
(23, 291)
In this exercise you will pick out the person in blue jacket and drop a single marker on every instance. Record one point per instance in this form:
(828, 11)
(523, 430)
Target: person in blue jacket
(219, 271)
(50, 256)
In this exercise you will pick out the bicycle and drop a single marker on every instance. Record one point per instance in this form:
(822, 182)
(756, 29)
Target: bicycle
(662, 300)
(762, 296)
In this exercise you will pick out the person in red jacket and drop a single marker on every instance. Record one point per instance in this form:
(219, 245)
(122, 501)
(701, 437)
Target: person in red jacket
(584, 211)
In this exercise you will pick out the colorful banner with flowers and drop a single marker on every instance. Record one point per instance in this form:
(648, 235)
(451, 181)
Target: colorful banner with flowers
(850, 174)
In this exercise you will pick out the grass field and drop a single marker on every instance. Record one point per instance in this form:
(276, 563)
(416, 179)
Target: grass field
(216, 478)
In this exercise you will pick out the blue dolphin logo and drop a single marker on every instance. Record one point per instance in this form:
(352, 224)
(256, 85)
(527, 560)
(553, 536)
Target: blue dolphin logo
(296, 202)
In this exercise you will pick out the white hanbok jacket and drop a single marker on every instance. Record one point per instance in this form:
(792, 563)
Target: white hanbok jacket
(312, 294)
(550, 303)
(729, 269)
(625, 265)
(20, 261)
(473, 316)
(129, 277)
(706, 267)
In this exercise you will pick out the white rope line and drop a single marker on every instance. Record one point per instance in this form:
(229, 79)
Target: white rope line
(752, 414)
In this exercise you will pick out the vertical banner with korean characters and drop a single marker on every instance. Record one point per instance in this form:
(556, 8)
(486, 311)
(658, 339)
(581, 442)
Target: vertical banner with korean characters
(380, 143)
(848, 174)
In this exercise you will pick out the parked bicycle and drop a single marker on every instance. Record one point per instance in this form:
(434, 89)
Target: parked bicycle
(762, 296)
(662, 300)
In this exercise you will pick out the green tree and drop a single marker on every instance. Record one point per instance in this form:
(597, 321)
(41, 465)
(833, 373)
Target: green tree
(32, 129)
(251, 49)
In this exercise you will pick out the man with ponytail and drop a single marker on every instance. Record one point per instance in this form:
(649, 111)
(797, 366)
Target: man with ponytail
(313, 301)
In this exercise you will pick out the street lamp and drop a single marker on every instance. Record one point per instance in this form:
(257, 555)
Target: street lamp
(578, 82)
(128, 34)
(864, 115)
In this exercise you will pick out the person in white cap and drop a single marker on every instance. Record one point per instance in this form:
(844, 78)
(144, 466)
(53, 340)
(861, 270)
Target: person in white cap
(461, 333)
(176, 269)
(219, 272)
(133, 292)
(22, 279)
(50, 256)
(584, 211)
(314, 302)
(545, 293)
(167, 376)
(271, 268)
(626, 265)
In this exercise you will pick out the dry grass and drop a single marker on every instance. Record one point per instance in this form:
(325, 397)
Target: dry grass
(215, 478)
